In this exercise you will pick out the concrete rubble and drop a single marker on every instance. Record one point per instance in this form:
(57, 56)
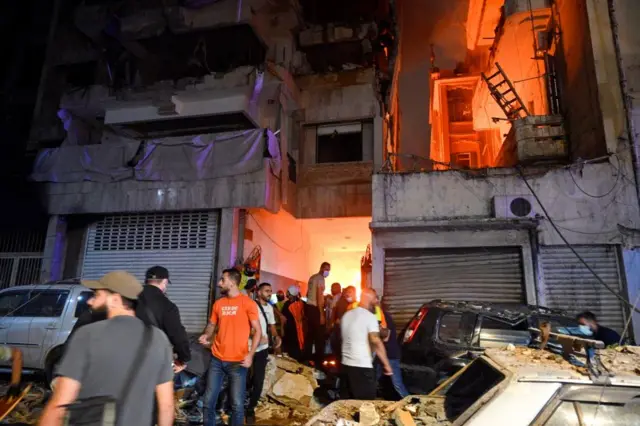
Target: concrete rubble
(411, 411)
(287, 395)
(29, 409)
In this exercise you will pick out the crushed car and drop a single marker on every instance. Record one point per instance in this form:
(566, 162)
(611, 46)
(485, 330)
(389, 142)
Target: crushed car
(581, 383)
(444, 336)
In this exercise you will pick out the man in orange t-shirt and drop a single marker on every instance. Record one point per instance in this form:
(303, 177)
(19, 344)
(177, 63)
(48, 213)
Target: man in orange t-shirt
(233, 317)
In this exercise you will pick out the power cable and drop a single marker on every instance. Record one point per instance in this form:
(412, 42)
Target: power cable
(624, 333)
(600, 280)
(615, 184)
(274, 241)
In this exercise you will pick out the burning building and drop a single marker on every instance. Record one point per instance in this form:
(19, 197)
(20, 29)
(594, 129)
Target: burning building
(528, 192)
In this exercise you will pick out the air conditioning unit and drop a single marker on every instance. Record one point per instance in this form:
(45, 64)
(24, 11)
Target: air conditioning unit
(514, 206)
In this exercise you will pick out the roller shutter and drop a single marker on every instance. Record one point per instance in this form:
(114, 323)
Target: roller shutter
(416, 276)
(184, 243)
(569, 285)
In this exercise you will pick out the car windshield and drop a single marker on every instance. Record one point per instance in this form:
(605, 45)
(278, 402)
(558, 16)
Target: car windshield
(463, 391)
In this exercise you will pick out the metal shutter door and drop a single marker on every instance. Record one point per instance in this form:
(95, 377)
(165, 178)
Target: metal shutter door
(570, 286)
(416, 276)
(184, 243)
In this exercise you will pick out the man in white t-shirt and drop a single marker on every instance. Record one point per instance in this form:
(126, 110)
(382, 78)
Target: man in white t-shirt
(260, 359)
(360, 338)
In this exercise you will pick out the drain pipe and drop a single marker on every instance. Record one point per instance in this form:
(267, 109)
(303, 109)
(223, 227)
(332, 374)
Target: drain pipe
(626, 98)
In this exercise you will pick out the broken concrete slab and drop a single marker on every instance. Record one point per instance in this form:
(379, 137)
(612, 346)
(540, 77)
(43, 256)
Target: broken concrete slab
(403, 418)
(369, 415)
(293, 386)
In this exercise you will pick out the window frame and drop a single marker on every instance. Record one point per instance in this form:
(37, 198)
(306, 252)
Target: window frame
(80, 303)
(471, 331)
(32, 296)
(575, 394)
(23, 292)
(314, 131)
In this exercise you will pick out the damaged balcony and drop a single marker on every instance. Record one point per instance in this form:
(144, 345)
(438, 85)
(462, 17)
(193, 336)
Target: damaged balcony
(172, 40)
(210, 171)
(501, 108)
(242, 99)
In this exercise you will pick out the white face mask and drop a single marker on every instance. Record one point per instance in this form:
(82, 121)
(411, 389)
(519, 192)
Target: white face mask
(325, 274)
(585, 329)
(349, 299)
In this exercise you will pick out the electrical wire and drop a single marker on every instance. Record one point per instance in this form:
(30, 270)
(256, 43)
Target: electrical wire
(274, 241)
(615, 184)
(624, 333)
(568, 244)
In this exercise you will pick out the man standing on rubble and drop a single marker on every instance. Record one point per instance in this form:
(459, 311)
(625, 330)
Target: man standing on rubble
(269, 335)
(233, 317)
(164, 314)
(360, 336)
(390, 338)
(336, 292)
(315, 315)
(293, 310)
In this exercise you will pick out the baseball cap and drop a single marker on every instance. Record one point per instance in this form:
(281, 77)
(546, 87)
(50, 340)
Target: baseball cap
(293, 290)
(157, 273)
(120, 282)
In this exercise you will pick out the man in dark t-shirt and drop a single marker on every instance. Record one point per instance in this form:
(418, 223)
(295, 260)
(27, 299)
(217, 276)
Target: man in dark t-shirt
(393, 353)
(589, 324)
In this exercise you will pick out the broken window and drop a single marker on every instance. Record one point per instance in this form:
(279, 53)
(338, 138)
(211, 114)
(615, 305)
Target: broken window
(344, 143)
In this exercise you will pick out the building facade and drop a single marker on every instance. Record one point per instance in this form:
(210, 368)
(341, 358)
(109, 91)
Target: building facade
(532, 168)
(191, 134)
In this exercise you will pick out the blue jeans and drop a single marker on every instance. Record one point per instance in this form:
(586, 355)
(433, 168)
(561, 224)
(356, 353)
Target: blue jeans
(237, 375)
(396, 379)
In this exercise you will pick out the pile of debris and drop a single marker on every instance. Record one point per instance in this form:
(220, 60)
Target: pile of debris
(29, 409)
(622, 359)
(411, 411)
(288, 393)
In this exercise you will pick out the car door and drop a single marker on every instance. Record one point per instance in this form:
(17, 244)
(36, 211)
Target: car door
(10, 301)
(37, 323)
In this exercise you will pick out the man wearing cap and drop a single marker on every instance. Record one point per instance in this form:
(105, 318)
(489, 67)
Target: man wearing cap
(99, 358)
(164, 314)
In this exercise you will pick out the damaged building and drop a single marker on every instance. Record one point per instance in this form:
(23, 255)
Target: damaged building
(193, 134)
(531, 168)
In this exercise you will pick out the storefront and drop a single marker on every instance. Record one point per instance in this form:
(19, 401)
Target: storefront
(185, 243)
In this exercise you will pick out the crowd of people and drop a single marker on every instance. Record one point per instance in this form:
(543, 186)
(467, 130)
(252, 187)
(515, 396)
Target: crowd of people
(122, 355)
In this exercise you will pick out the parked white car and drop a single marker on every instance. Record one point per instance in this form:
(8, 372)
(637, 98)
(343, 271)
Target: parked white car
(38, 319)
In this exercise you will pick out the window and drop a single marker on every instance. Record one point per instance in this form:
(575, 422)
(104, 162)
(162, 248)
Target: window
(11, 301)
(456, 328)
(494, 333)
(569, 413)
(44, 304)
(477, 379)
(81, 303)
(343, 143)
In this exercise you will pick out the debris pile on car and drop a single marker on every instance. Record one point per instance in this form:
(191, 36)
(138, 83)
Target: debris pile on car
(411, 411)
(288, 393)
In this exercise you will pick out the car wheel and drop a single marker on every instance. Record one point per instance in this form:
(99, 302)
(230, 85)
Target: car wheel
(52, 362)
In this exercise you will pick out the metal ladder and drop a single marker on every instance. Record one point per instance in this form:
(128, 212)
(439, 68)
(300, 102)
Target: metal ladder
(508, 99)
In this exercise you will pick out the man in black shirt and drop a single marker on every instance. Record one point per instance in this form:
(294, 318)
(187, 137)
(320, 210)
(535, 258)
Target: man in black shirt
(589, 325)
(164, 314)
(390, 339)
